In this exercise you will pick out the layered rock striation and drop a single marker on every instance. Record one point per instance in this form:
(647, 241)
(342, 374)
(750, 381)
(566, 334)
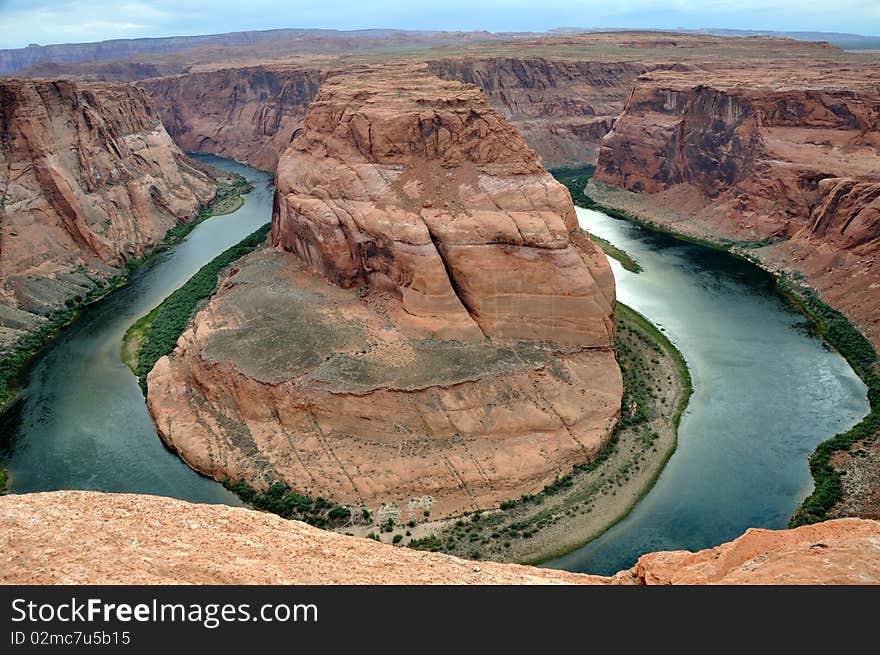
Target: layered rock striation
(563, 107)
(440, 334)
(86, 537)
(416, 186)
(90, 179)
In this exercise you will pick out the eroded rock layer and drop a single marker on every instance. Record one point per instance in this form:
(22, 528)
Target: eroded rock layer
(843, 551)
(426, 335)
(86, 537)
(562, 107)
(90, 178)
(416, 186)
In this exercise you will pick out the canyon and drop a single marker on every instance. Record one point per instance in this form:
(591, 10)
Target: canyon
(562, 108)
(90, 180)
(391, 174)
(766, 145)
(87, 537)
(401, 210)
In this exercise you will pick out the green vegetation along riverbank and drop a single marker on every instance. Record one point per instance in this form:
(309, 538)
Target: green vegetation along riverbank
(156, 334)
(832, 325)
(581, 505)
(858, 351)
(14, 361)
(575, 179)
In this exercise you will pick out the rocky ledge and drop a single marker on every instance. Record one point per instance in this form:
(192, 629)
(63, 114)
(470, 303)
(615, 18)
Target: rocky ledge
(430, 335)
(87, 537)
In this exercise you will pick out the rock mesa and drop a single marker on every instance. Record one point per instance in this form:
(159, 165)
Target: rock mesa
(430, 333)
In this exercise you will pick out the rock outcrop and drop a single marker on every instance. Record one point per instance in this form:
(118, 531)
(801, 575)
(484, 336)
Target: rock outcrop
(430, 333)
(843, 551)
(90, 179)
(416, 186)
(87, 537)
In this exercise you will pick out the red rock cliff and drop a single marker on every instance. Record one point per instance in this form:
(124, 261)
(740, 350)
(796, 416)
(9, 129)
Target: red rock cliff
(249, 114)
(417, 186)
(90, 179)
(792, 155)
(562, 107)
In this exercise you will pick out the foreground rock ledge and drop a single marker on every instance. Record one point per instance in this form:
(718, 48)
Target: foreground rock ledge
(87, 537)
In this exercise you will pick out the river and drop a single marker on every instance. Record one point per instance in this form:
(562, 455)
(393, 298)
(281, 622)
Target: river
(766, 392)
(81, 422)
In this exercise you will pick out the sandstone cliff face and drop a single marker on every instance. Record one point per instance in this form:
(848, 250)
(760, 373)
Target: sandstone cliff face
(757, 152)
(248, 114)
(440, 342)
(86, 537)
(90, 179)
(746, 159)
(839, 249)
(415, 186)
(843, 551)
(562, 107)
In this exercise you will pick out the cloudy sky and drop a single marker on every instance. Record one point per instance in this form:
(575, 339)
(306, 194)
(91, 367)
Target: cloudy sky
(65, 21)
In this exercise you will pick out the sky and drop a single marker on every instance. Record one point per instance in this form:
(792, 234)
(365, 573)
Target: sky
(70, 21)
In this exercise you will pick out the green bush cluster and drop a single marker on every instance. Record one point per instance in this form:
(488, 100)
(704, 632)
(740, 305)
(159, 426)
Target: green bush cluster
(279, 499)
(575, 180)
(559, 484)
(174, 313)
(431, 542)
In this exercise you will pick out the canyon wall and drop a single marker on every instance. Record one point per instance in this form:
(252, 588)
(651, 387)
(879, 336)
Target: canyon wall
(98, 538)
(430, 334)
(90, 179)
(249, 114)
(562, 108)
(762, 158)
